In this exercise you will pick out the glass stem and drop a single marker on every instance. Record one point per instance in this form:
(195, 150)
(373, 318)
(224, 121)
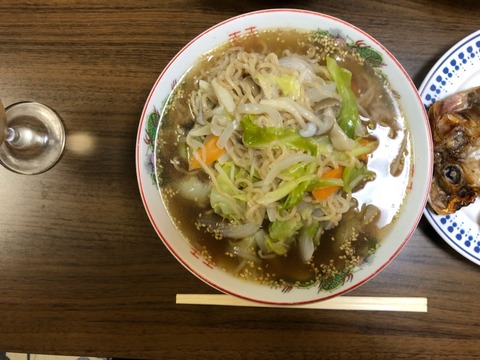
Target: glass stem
(22, 137)
(10, 134)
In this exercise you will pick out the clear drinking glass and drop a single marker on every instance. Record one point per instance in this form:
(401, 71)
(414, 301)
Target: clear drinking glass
(32, 137)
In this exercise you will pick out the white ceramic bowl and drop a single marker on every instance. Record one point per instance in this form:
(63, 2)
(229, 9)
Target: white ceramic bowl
(409, 101)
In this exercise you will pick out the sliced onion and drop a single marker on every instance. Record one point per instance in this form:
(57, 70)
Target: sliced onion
(191, 188)
(244, 249)
(193, 143)
(322, 126)
(204, 85)
(273, 113)
(339, 139)
(241, 231)
(271, 213)
(263, 252)
(299, 64)
(317, 91)
(201, 131)
(224, 97)
(306, 248)
(219, 123)
(287, 105)
(227, 133)
(280, 165)
(300, 113)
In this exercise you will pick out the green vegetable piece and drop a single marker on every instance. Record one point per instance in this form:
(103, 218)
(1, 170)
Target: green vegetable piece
(284, 230)
(226, 206)
(278, 247)
(311, 232)
(297, 171)
(224, 181)
(324, 183)
(295, 196)
(289, 86)
(364, 148)
(228, 200)
(352, 176)
(260, 137)
(349, 111)
(284, 189)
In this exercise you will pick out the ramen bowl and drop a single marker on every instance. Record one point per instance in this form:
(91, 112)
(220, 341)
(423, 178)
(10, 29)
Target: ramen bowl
(418, 171)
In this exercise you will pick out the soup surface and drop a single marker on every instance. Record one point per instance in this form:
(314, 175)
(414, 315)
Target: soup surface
(283, 157)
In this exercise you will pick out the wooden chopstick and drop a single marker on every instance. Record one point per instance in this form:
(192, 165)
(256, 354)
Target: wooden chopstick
(370, 303)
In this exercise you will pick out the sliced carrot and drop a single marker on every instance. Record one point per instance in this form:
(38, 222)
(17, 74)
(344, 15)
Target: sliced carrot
(363, 141)
(335, 173)
(321, 194)
(211, 153)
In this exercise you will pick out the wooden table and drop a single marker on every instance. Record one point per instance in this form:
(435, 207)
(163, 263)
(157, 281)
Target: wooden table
(82, 271)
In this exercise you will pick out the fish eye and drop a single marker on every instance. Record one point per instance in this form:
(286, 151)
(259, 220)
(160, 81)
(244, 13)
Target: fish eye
(452, 174)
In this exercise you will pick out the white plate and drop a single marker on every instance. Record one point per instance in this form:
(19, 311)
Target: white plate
(458, 69)
(409, 101)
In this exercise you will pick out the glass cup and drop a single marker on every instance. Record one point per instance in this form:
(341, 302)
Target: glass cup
(32, 137)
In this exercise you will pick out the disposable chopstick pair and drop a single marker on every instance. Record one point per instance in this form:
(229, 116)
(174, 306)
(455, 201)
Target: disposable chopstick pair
(370, 303)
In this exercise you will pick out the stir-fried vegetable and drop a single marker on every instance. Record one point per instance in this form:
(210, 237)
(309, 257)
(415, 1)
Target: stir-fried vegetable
(352, 176)
(261, 137)
(270, 190)
(295, 177)
(349, 117)
(321, 193)
(309, 239)
(287, 84)
(209, 154)
(284, 189)
(295, 196)
(227, 199)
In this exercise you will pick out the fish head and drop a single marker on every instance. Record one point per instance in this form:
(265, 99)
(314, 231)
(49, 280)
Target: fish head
(455, 125)
(451, 190)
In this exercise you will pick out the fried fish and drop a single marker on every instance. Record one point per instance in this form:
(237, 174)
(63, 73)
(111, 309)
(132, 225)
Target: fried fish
(455, 124)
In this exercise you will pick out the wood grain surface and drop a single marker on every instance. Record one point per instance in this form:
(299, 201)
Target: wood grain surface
(82, 271)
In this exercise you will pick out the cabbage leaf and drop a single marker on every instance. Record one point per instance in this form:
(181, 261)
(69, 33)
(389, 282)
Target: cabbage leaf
(349, 116)
(352, 176)
(261, 137)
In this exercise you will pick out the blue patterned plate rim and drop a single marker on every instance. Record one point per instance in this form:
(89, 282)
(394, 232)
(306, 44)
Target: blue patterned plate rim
(456, 70)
